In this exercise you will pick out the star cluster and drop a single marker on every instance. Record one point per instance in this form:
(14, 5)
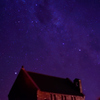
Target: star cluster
(58, 38)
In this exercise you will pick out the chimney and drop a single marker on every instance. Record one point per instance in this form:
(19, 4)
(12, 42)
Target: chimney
(78, 84)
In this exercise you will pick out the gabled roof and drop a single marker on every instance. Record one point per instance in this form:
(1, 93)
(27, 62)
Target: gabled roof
(54, 84)
(47, 83)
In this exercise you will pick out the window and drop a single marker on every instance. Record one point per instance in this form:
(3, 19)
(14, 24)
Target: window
(74, 98)
(51, 96)
(64, 97)
(54, 97)
(61, 97)
(71, 98)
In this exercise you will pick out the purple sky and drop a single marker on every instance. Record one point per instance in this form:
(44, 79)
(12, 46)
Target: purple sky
(54, 37)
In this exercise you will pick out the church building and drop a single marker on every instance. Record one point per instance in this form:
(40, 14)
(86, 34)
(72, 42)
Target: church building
(34, 86)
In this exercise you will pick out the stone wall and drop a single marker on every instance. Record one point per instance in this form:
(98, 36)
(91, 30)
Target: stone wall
(55, 96)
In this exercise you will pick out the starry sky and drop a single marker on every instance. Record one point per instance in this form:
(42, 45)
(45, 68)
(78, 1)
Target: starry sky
(53, 37)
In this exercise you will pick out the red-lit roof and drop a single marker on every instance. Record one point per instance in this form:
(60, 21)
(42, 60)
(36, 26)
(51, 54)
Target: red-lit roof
(30, 81)
(54, 84)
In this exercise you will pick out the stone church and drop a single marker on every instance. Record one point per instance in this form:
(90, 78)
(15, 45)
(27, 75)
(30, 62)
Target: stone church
(34, 86)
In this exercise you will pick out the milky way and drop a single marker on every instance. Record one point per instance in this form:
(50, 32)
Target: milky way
(53, 37)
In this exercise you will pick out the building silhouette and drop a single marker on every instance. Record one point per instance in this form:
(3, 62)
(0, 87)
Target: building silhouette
(34, 86)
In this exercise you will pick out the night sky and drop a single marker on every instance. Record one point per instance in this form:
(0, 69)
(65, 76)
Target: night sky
(53, 37)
